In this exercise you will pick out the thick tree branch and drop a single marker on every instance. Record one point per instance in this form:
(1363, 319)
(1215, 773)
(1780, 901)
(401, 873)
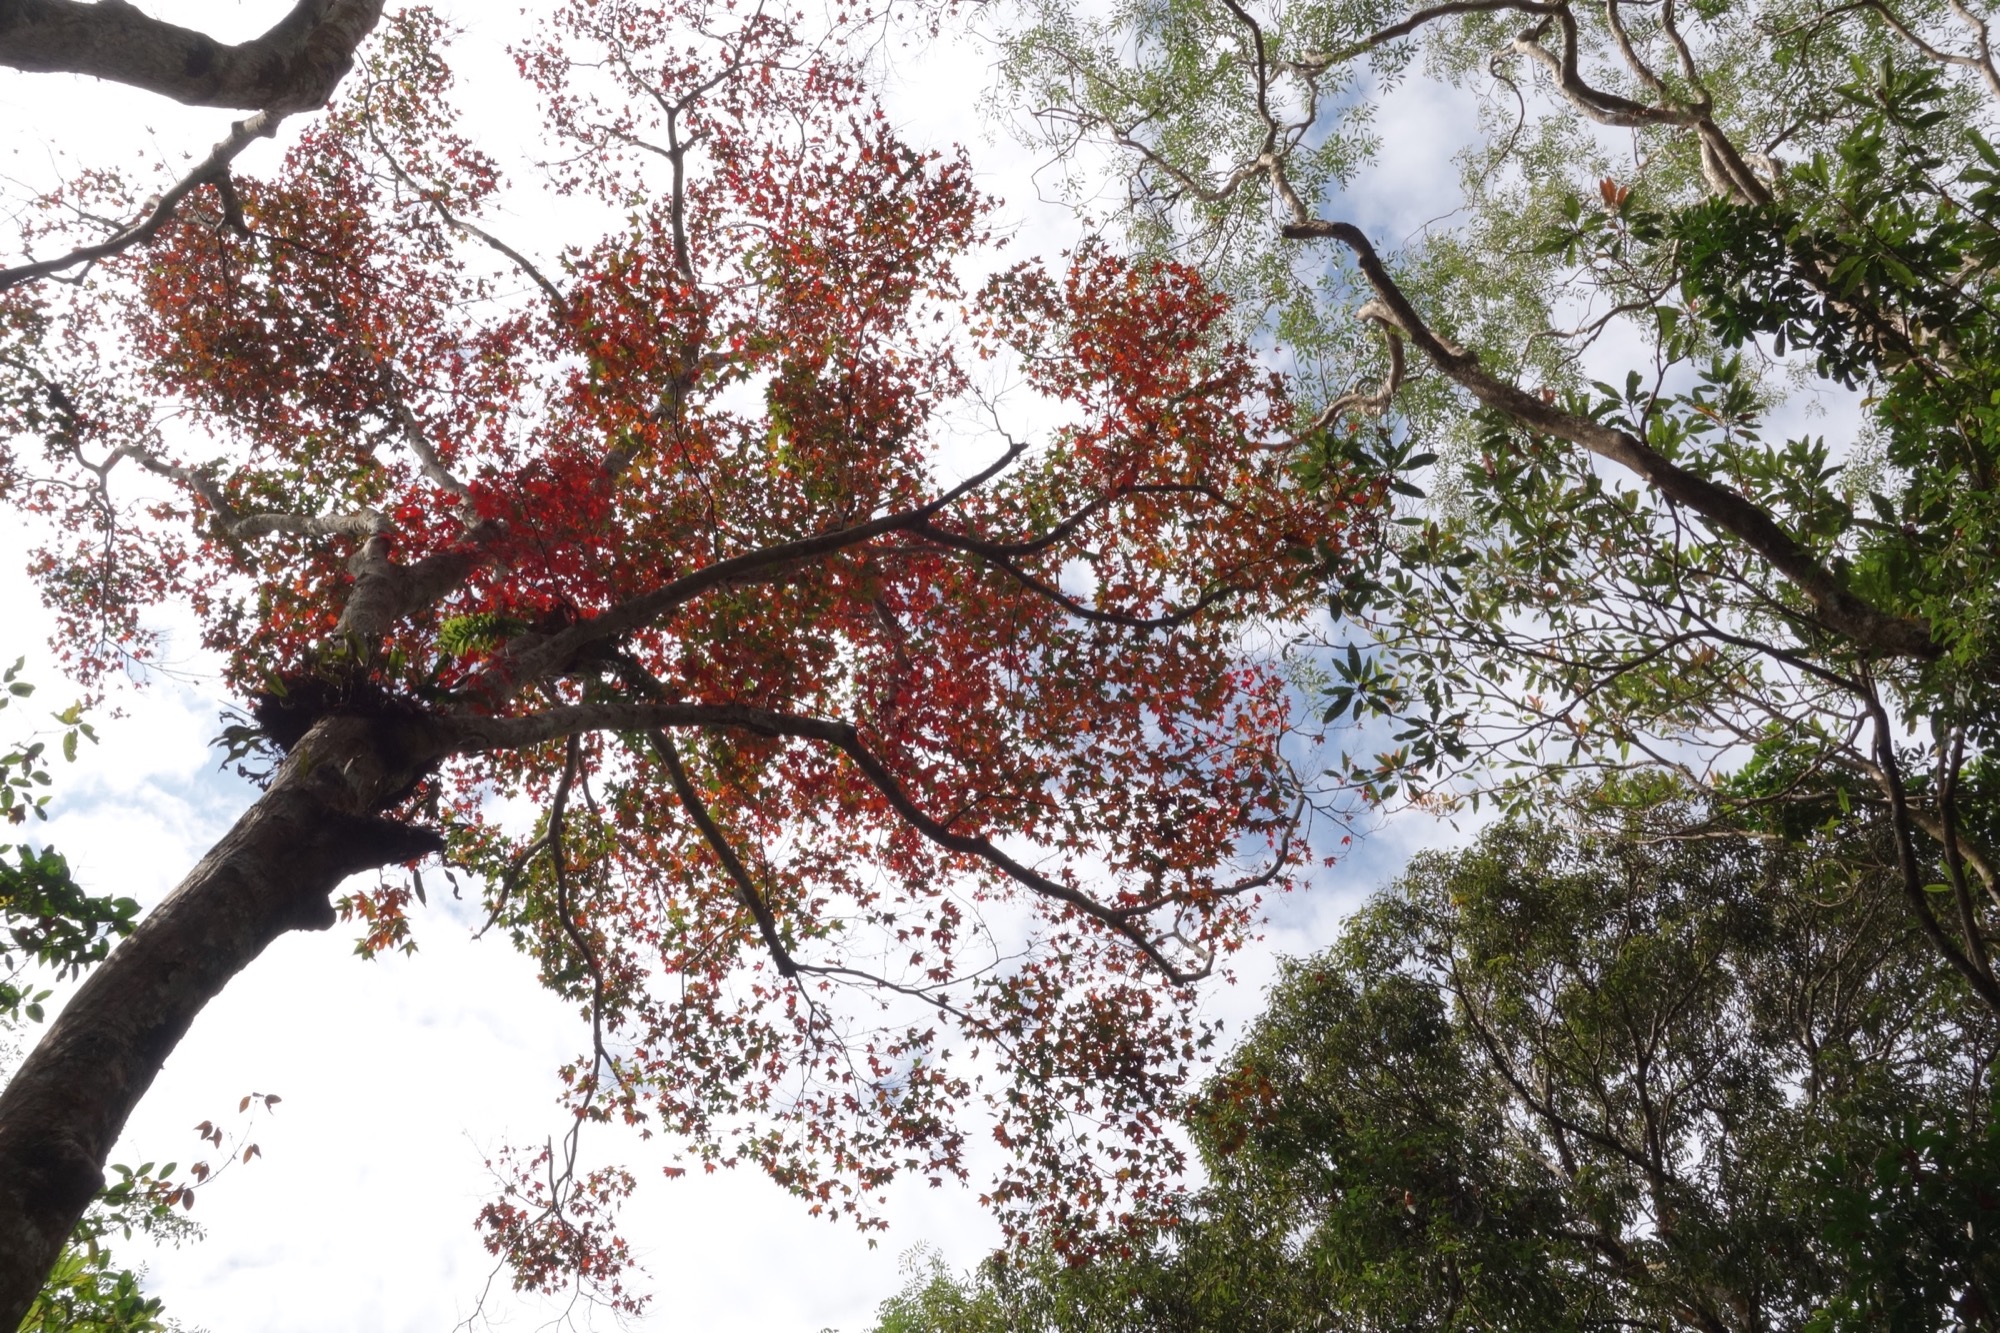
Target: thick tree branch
(198, 480)
(385, 592)
(361, 523)
(428, 460)
(538, 658)
(292, 67)
(1867, 626)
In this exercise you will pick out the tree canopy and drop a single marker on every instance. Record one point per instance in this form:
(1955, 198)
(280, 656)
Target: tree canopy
(1677, 233)
(879, 735)
(1581, 1076)
(1621, 551)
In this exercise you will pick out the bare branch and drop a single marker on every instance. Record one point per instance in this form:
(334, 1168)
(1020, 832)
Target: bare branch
(197, 480)
(427, 457)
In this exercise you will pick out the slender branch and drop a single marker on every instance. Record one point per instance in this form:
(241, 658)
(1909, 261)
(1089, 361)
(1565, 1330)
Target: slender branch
(1369, 402)
(427, 457)
(1397, 31)
(198, 480)
(435, 198)
(988, 555)
(718, 842)
(1951, 761)
(473, 735)
(1616, 22)
(1890, 774)
(1983, 62)
(211, 170)
(1982, 39)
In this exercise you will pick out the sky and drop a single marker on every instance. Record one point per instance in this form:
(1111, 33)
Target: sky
(399, 1076)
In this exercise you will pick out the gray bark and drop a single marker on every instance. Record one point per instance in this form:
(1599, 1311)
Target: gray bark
(292, 67)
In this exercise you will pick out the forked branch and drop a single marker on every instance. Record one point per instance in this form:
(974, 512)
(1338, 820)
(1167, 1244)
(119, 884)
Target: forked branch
(1837, 607)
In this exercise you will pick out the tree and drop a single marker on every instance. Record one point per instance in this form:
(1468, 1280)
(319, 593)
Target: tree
(669, 536)
(1676, 226)
(1579, 1076)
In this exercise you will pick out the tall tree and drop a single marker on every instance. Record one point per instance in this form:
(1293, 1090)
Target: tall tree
(1581, 1076)
(681, 536)
(1675, 223)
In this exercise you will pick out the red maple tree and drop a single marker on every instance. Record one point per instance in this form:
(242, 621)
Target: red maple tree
(870, 745)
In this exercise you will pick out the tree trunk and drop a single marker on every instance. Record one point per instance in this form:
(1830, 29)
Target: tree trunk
(273, 872)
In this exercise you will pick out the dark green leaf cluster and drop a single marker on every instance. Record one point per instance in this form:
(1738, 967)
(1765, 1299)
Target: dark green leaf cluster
(51, 922)
(1582, 1076)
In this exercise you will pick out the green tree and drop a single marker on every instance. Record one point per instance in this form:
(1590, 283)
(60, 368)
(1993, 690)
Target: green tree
(1678, 228)
(1581, 1076)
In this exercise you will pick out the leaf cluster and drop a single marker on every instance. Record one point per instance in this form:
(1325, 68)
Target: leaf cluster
(1590, 1075)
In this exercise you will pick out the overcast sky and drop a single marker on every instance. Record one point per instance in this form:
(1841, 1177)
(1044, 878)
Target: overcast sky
(398, 1075)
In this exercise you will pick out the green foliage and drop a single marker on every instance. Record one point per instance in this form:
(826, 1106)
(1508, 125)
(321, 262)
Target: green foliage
(1585, 1075)
(46, 920)
(479, 632)
(1622, 554)
(1612, 614)
(87, 1291)
(53, 923)
(87, 1294)
(1911, 1214)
